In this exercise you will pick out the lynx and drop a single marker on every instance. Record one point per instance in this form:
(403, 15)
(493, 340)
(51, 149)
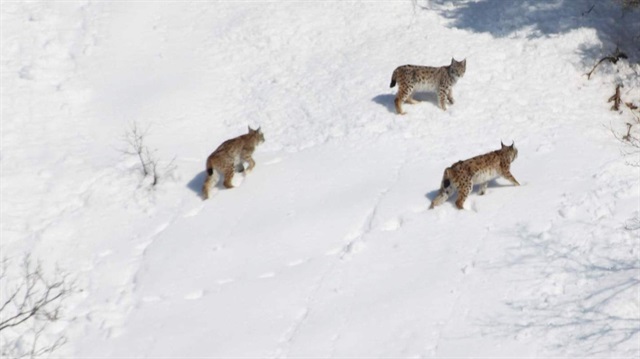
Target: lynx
(441, 79)
(462, 175)
(229, 157)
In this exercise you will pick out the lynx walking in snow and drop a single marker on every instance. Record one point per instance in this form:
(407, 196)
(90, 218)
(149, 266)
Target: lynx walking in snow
(229, 157)
(462, 175)
(441, 79)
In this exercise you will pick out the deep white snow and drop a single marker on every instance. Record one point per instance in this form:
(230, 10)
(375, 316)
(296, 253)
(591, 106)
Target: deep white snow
(327, 248)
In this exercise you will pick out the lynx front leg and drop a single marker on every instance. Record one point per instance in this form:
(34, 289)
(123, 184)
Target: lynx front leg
(450, 96)
(252, 164)
(442, 99)
(403, 95)
(463, 192)
(507, 174)
(483, 188)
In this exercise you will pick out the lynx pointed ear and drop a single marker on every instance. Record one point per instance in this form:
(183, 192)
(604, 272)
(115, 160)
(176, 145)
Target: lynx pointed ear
(258, 129)
(453, 61)
(502, 144)
(512, 143)
(250, 129)
(464, 62)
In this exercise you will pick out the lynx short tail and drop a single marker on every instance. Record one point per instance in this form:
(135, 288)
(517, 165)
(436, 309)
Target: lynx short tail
(393, 78)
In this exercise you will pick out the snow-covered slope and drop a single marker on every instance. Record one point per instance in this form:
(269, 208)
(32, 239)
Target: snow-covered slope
(327, 248)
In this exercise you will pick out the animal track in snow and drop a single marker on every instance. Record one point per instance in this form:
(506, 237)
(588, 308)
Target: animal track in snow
(544, 148)
(160, 229)
(151, 299)
(392, 224)
(297, 262)
(273, 161)
(468, 268)
(193, 212)
(142, 246)
(567, 211)
(353, 235)
(351, 248)
(418, 209)
(195, 295)
(105, 253)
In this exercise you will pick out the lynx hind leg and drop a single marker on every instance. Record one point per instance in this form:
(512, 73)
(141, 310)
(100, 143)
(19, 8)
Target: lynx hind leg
(463, 193)
(510, 178)
(398, 102)
(246, 156)
(252, 164)
(404, 93)
(483, 188)
(450, 96)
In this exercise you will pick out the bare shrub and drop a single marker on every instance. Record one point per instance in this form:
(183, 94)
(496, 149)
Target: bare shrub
(631, 137)
(616, 99)
(30, 305)
(149, 164)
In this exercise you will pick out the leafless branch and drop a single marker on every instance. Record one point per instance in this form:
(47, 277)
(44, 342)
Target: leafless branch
(29, 308)
(613, 58)
(588, 11)
(135, 140)
(616, 99)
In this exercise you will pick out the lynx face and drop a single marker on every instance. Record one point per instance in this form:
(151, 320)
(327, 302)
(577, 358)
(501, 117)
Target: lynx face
(458, 68)
(229, 158)
(258, 133)
(462, 175)
(411, 78)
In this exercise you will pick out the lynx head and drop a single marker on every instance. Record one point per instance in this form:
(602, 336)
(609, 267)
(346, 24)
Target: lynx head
(458, 68)
(511, 152)
(257, 133)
